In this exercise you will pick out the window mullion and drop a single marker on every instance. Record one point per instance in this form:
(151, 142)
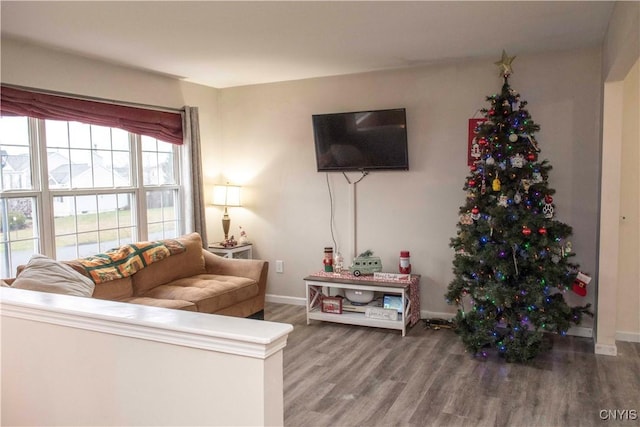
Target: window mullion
(182, 202)
(38, 141)
(140, 192)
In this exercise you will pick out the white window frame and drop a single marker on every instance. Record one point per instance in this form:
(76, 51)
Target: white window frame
(44, 196)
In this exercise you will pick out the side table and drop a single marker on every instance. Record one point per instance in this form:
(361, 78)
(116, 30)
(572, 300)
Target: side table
(238, 251)
(319, 285)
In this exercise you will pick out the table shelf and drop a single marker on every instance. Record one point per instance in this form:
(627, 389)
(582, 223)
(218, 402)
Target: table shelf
(244, 251)
(355, 318)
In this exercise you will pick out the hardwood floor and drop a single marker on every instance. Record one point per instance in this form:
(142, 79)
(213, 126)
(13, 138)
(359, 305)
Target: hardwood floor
(341, 375)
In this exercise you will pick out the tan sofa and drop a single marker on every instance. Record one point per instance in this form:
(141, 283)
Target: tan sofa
(194, 280)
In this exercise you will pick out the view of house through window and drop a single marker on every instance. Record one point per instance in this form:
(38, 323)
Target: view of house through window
(71, 189)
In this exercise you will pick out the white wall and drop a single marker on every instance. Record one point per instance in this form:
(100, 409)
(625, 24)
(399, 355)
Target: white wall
(621, 50)
(628, 310)
(621, 43)
(267, 146)
(33, 66)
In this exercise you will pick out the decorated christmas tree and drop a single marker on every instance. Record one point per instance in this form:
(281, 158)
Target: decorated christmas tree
(512, 258)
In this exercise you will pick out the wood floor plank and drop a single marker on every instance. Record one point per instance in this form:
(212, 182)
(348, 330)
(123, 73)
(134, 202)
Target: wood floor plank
(342, 375)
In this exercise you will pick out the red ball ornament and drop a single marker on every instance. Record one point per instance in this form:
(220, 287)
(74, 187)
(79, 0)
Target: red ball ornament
(526, 230)
(548, 199)
(531, 157)
(492, 112)
(475, 210)
(473, 167)
(482, 142)
(472, 183)
(542, 230)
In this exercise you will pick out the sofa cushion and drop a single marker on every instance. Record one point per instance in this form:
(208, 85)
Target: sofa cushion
(210, 292)
(114, 289)
(164, 303)
(186, 264)
(48, 275)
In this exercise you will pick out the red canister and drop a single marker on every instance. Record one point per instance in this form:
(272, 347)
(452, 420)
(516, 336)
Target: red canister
(405, 262)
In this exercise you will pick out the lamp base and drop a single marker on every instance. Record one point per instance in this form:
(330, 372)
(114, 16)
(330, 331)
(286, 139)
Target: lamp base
(226, 223)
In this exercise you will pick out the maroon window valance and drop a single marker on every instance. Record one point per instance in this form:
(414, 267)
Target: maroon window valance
(163, 125)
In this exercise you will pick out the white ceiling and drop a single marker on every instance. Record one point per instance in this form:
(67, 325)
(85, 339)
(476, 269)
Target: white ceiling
(224, 44)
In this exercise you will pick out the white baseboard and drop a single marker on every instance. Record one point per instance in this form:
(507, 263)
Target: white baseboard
(606, 349)
(280, 299)
(426, 314)
(580, 331)
(628, 336)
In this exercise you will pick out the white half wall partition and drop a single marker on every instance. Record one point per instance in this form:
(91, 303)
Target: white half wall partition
(81, 361)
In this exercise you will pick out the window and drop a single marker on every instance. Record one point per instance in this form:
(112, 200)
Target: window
(159, 177)
(70, 189)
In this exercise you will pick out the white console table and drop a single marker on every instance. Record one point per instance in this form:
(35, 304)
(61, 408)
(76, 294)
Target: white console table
(321, 284)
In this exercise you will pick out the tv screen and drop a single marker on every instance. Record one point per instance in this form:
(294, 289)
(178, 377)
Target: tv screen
(362, 140)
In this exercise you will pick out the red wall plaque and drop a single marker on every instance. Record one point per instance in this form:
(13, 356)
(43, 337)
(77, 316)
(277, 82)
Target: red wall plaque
(473, 123)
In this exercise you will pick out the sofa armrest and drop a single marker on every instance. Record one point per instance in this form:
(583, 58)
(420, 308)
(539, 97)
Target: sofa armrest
(249, 268)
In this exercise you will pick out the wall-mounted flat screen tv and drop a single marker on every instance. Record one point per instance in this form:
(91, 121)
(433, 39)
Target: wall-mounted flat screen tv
(361, 141)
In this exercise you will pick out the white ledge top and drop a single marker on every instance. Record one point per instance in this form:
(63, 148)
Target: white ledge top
(246, 337)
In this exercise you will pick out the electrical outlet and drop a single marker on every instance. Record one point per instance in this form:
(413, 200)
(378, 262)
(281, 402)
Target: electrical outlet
(279, 266)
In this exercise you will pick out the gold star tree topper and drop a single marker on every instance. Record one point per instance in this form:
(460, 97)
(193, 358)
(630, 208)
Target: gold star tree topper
(505, 64)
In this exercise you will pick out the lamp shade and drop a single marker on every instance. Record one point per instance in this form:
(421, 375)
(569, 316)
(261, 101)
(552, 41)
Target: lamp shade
(226, 195)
